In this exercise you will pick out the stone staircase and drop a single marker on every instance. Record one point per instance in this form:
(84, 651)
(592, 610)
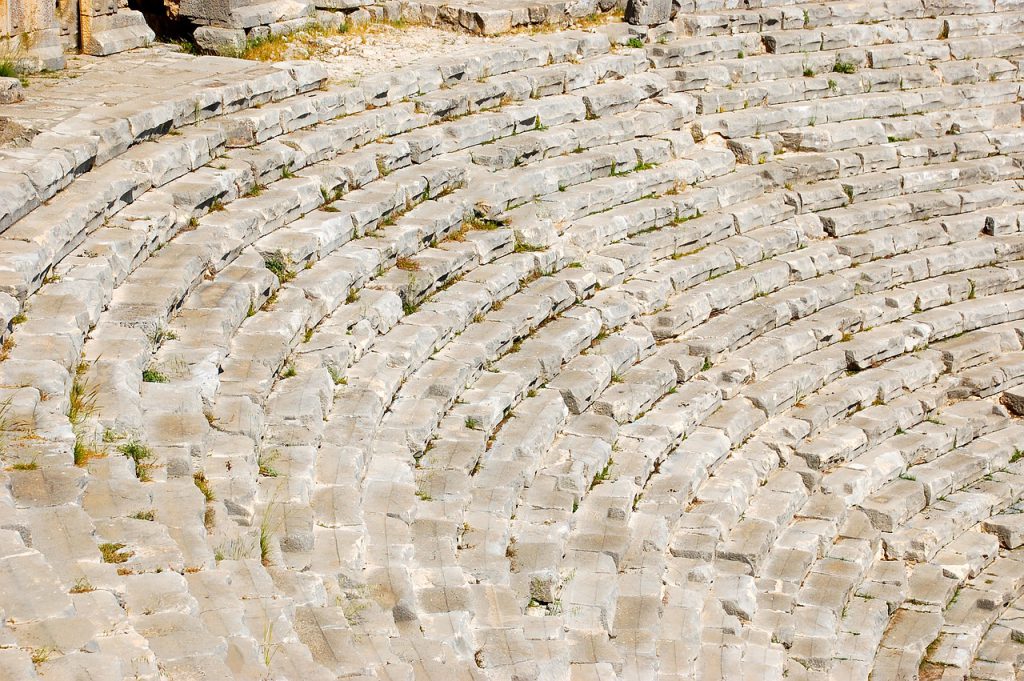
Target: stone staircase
(567, 360)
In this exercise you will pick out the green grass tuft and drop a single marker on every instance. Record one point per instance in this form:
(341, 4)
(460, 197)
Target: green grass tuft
(153, 376)
(279, 266)
(142, 456)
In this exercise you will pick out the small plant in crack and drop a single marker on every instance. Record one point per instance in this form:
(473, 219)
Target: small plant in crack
(114, 553)
(153, 376)
(203, 484)
(278, 264)
(265, 462)
(161, 334)
(82, 586)
(407, 264)
(337, 375)
(267, 528)
(142, 456)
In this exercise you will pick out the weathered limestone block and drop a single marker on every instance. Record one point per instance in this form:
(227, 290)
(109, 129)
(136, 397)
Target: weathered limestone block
(10, 91)
(125, 29)
(966, 556)
(220, 40)
(894, 504)
(1009, 528)
(1013, 400)
(30, 32)
(648, 12)
(738, 595)
(29, 588)
(486, 22)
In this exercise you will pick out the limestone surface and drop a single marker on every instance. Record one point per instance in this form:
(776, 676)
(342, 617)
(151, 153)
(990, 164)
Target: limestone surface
(640, 352)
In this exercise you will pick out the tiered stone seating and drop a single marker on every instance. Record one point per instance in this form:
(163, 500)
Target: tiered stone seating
(570, 360)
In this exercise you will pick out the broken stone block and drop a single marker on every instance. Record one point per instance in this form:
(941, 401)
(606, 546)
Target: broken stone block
(10, 91)
(1013, 399)
(1009, 528)
(648, 12)
(226, 41)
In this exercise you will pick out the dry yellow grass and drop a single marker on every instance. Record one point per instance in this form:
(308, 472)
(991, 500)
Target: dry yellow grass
(582, 23)
(407, 264)
(308, 43)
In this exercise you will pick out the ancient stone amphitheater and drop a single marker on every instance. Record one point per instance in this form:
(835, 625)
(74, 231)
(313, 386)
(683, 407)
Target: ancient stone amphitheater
(683, 353)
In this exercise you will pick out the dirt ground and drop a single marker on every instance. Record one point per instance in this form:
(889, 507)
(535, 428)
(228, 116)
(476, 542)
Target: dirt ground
(12, 134)
(387, 48)
(367, 50)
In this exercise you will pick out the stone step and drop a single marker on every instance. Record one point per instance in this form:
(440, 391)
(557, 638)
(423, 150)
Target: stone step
(546, 371)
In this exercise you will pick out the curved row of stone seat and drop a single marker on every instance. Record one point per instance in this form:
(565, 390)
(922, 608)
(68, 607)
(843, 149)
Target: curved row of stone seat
(742, 544)
(638, 218)
(109, 190)
(783, 78)
(425, 458)
(699, 445)
(814, 15)
(141, 565)
(806, 88)
(803, 33)
(842, 112)
(835, 285)
(92, 136)
(207, 199)
(670, 321)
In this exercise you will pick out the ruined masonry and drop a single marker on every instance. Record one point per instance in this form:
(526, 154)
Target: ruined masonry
(36, 34)
(678, 348)
(227, 24)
